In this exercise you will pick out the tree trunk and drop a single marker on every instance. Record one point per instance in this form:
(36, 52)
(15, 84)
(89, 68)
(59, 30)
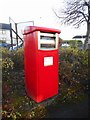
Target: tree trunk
(87, 41)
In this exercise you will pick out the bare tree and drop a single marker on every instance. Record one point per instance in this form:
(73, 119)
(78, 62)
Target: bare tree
(76, 12)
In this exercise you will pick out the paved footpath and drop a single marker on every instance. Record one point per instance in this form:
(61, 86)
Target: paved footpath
(79, 110)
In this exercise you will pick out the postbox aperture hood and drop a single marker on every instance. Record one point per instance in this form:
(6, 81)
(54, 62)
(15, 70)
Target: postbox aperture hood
(31, 29)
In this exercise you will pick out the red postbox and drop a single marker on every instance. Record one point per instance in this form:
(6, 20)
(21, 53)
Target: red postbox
(41, 62)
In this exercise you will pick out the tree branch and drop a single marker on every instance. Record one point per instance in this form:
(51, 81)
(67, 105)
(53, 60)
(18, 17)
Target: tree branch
(57, 14)
(83, 15)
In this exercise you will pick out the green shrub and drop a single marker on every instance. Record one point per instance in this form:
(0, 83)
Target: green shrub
(12, 59)
(5, 52)
(0, 64)
(74, 64)
(10, 115)
(18, 58)
(70, 71)
(73, 70)
(38, 112)
(7, 64)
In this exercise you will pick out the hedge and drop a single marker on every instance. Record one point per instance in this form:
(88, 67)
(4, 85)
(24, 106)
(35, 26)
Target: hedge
(73, 69)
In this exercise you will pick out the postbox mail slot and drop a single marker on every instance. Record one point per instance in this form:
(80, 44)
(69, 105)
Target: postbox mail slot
(47, 46)
(47, 41)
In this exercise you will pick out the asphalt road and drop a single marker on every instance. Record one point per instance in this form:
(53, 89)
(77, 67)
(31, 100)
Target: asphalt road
(79, 110)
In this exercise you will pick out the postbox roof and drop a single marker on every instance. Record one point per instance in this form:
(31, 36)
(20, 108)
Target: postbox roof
(31, 29)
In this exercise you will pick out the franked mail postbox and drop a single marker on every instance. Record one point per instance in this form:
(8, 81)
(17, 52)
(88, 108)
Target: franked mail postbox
(41, 62)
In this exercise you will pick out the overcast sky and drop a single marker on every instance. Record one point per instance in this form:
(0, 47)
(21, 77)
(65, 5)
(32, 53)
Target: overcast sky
(40, 11)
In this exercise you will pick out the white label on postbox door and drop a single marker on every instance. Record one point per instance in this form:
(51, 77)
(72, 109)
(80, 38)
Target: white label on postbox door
(48, 61)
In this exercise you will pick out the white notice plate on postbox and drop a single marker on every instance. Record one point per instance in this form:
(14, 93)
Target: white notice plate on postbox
(48, 61)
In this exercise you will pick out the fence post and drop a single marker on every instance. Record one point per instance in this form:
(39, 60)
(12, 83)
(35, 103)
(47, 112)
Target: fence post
(11, 36)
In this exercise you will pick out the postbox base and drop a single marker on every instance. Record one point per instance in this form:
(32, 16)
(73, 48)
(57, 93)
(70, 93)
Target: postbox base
(39, 99)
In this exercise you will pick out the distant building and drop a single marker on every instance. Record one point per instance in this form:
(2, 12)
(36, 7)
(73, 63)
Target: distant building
(5, 32)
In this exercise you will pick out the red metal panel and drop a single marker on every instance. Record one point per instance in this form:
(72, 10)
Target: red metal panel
(41, 80)
(47, 75)
(31, 29)
(30, 58)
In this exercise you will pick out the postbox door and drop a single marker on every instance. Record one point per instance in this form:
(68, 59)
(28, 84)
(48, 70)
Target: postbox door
(47, 74)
